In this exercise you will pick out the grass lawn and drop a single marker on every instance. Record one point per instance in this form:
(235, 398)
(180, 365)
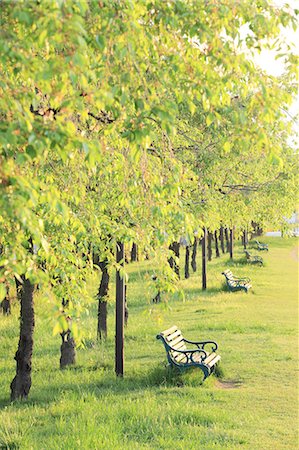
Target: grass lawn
(253, 406)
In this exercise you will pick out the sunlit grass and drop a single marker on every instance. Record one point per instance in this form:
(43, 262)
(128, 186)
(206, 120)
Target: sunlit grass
(253, 405)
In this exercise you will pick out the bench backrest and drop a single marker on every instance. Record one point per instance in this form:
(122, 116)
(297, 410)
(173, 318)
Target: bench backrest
(173, 340)
(228, 274)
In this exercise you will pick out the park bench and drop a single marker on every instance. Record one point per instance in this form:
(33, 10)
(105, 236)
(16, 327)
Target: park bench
(236, 284)
(261, 246)
(202, 355)
(254, 259)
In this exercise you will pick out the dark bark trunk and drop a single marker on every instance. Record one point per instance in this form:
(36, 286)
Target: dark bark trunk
(102, 319)
(119, 313)
(157, 298)
(204, 260)
(231, 246)
(227, 240)
(187, 262)
(210, 238)
(18, 288)
(102, 300)
(194, 252)
(134, 253)
(5, 305)
(244, 240)
(175, 247)
(67, 350)
(20, 385)
(257, 231)
(216, 244)
(126, 307)
(221, 236)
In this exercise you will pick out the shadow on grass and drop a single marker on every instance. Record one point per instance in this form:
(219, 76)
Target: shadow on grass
(156, 377)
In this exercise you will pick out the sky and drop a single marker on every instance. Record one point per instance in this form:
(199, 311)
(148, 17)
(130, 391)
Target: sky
(266, 59)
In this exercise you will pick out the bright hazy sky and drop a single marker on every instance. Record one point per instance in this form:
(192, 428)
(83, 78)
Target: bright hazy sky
(266, 59)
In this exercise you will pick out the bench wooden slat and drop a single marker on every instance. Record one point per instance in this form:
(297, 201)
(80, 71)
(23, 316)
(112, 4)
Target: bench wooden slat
(179, 356)
(176, 341)
(214, 361)
(209, 358)
(174, 335)
(169, 331)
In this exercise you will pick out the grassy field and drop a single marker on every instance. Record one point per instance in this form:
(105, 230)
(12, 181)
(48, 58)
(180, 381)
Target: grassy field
(252, 406)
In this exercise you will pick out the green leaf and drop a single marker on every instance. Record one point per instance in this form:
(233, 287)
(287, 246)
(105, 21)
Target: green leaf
(2, 291)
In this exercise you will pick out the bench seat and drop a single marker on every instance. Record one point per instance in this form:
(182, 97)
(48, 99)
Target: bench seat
(201, 354)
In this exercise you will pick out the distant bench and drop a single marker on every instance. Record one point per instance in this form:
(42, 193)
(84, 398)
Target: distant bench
(253, 259)
(178, 355)
(261, 246)
(236, 284)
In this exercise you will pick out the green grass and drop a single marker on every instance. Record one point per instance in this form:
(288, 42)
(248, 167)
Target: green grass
(86, 407)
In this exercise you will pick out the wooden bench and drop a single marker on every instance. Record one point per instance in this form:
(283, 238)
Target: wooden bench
(261, 246)
(236, 284)
(202, 355)
(254, 259)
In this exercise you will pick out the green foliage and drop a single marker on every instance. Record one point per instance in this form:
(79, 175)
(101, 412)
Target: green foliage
(99, 102)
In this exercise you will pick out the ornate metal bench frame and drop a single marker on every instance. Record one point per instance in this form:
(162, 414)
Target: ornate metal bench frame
(199, 357)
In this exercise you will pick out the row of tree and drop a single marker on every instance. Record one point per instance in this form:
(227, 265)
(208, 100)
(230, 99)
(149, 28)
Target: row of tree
(132, 122)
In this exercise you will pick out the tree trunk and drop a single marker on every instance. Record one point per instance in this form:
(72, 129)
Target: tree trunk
(175, 247)
(210, 238)
(102, 300)
(187, 262)
(119, 313)
(194, 251)
(216, 245)
(126, 307)
(5, 305)
(245, 239)
(67, 350)
(20, 385)
(204, 260)
(231, 246)
(227, 240)
(18, 288)
(134, 255)
(221, 235)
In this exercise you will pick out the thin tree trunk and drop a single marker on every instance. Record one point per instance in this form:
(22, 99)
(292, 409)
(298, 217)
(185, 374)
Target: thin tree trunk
(221, 235)
(204, 260)
(119, 313)
(5, 305)
(21, 384)
(210, 238)
(216, 245)
(126, 307)
(134, 253)
(245, 239)
(67, 350)
(194, 252)
(231, 247)
(187, 262)
(227, 240)
(18, 288)
(175, 247)
(102, 300)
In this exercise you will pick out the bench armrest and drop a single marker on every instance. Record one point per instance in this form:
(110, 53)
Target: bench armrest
(201, 344)
(248, 280)
(190, 354)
